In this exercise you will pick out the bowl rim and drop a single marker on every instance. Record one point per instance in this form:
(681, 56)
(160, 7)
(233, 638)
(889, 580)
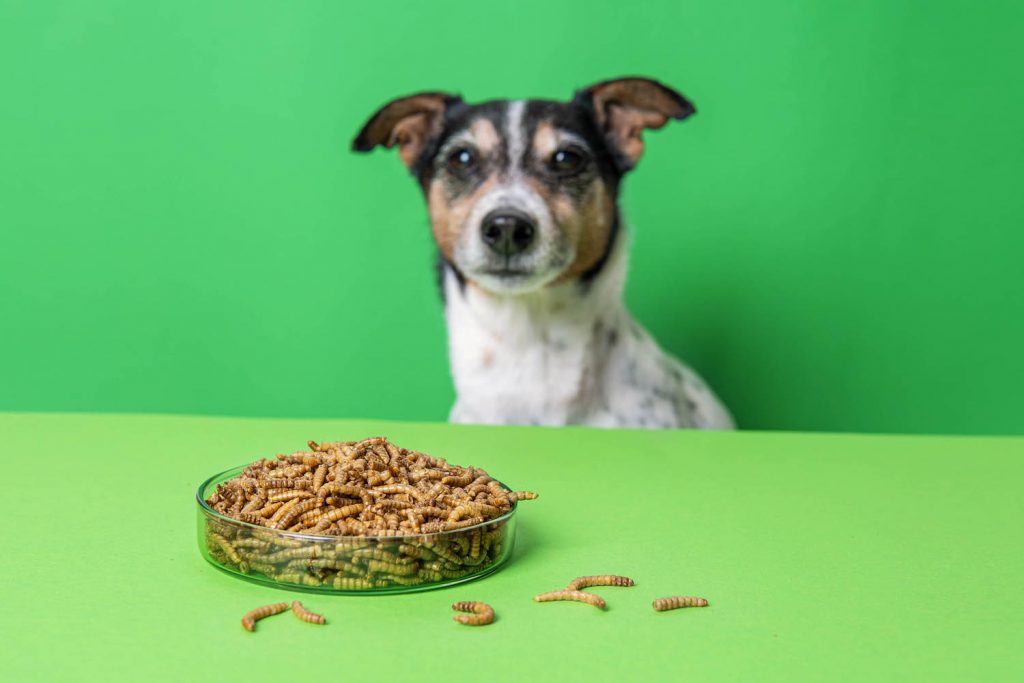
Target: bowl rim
(220, 477)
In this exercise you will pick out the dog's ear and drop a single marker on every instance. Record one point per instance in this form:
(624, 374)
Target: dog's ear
(409, 122)
(622, 108)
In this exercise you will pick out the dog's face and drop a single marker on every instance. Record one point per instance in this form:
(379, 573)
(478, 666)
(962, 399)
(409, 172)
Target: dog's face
(523, 193)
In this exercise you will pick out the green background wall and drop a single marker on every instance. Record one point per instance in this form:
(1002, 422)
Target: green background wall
(835, 240)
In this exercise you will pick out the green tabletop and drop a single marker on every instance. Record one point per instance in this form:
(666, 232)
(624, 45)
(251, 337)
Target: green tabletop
(824, 557)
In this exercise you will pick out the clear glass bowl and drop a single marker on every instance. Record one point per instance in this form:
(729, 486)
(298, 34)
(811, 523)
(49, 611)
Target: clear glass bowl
(350, 564)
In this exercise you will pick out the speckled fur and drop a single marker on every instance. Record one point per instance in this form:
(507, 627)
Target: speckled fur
(568, 354)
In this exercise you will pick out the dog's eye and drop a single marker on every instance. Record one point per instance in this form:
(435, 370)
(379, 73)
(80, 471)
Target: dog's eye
(461, 160)
(566, 161)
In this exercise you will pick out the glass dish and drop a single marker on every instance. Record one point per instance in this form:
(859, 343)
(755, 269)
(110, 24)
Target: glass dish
(350, 564)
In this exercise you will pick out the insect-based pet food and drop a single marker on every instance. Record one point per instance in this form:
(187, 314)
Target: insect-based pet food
(304, 614)
(603, 580)
(677, 601)
(482, 613)
(383, 517)
(250, 619)
(578, 596)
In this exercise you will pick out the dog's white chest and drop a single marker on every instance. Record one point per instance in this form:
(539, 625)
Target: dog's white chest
(513, 365)
(558, 358)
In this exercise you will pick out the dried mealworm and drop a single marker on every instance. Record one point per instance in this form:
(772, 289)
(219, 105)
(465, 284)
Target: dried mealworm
(677, 601)
(342, 489)
(579, 596)
(250, 619)
(282, 511)
(482, 613)
(460, 512)
(319, 477)
(304, 614)
(603, 580)
(300, 577)
(327, 518)
(289, 494)
(462, 524)
(380, 554)
(310, 517)
(458, 480)
(397, 488)
(391, 504)
(251, 543)
(283, 483)
(415, 551)
(269, 509)
(251, 518)
(303, 552)
(415, 520)
(386, 567)
(431, 511)
(226, 546)
(286, 519)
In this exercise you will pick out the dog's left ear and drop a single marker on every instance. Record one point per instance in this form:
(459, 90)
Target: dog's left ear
(409, 122)
(624, 107)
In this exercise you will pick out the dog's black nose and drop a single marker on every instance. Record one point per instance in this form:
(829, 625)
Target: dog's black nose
(507, 231)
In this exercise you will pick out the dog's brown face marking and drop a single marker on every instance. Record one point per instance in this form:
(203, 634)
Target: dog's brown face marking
(580, 203)
(523, 194)
(485, 137)
(449, 212)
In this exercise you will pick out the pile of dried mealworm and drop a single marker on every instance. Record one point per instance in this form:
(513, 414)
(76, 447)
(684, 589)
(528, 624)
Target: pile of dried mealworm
(387, 502)
(362, 488)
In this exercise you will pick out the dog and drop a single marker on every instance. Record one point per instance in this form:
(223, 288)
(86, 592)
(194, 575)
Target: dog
(523, 203)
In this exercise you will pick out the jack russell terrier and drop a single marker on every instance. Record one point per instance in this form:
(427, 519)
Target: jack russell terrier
(522, 197)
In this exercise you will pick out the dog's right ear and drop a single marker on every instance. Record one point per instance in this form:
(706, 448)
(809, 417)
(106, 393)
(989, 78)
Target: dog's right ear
(409, 122)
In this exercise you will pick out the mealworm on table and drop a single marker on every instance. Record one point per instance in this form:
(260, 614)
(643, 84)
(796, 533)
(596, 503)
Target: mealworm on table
(482, 613)
(602, 580)
(677, 601)
(304, 614)
(250, 619)
(578, 596)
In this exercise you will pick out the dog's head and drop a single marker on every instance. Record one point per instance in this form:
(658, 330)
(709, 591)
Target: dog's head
(523, 193)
